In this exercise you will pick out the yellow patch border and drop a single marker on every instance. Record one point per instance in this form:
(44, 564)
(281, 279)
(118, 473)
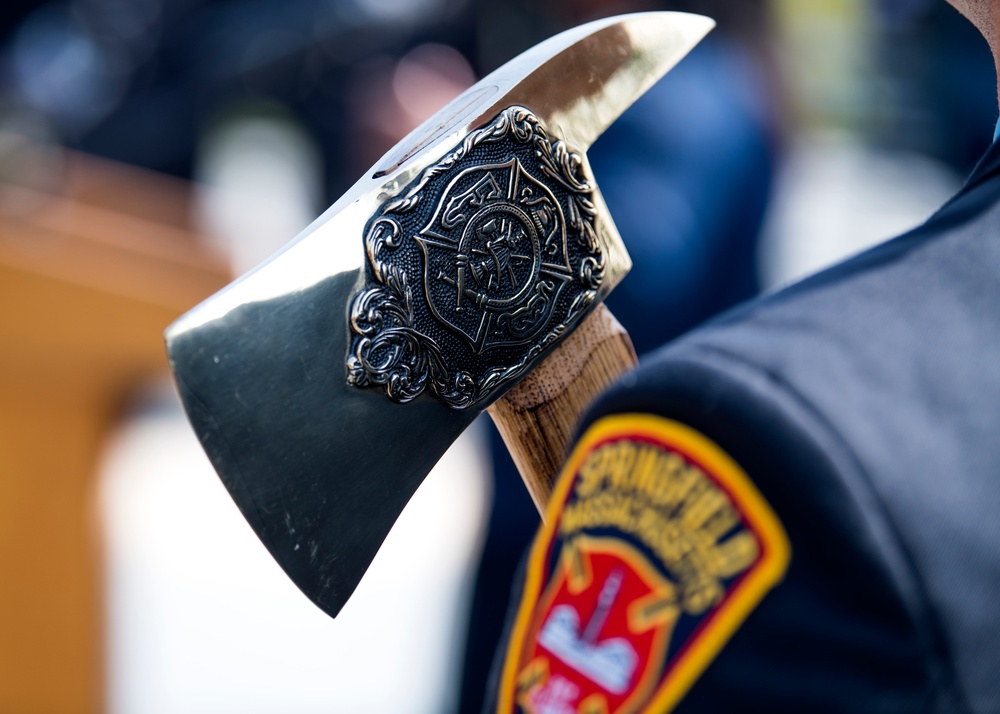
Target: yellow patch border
(763, 576)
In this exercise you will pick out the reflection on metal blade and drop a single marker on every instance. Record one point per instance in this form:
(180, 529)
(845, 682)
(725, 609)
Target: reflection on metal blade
(321, 469)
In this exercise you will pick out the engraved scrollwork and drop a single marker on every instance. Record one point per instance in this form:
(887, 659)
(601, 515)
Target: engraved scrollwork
(391, 352)
(384, 233)
(591, 277)
(503, 230)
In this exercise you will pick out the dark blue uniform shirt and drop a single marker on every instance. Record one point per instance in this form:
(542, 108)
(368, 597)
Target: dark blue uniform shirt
(864, 405)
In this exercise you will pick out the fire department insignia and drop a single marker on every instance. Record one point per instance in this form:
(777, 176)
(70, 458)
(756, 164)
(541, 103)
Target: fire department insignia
(484, 252)
(478, 267)
(656, 548)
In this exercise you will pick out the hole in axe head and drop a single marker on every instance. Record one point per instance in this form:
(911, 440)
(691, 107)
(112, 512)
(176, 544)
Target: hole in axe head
(447, 120)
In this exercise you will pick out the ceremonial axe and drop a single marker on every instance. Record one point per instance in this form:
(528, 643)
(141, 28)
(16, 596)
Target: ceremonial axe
(463, 272)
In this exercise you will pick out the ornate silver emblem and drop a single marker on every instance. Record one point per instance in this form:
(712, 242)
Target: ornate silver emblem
(480, 265)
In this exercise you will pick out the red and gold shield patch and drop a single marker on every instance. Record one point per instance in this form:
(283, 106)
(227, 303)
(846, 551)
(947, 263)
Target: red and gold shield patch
(656, 546)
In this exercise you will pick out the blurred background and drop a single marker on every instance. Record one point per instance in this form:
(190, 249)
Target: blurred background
(152, 149)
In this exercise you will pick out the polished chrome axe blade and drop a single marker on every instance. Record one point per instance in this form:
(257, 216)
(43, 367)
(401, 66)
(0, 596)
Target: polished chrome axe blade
(302, 379)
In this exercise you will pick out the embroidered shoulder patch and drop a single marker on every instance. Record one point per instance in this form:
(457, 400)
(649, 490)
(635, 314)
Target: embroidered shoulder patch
(656, 547)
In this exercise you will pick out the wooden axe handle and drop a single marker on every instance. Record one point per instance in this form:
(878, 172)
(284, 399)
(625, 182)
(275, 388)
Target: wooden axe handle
(537, 417)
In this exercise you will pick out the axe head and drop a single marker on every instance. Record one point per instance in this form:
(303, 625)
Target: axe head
(326, 383)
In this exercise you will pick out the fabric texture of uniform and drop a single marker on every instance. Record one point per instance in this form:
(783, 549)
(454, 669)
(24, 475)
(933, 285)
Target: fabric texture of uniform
(864, 404)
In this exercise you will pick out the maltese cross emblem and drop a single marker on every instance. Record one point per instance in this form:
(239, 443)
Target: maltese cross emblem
(495, 256)
(477, 267)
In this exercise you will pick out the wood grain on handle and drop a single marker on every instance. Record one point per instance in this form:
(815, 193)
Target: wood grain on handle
(538, 416)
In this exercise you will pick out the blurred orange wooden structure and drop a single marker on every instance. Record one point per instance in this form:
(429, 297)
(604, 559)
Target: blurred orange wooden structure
(96, 259)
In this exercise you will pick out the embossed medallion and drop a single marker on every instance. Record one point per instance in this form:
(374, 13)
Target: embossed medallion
(477, 267)
(655, 548)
